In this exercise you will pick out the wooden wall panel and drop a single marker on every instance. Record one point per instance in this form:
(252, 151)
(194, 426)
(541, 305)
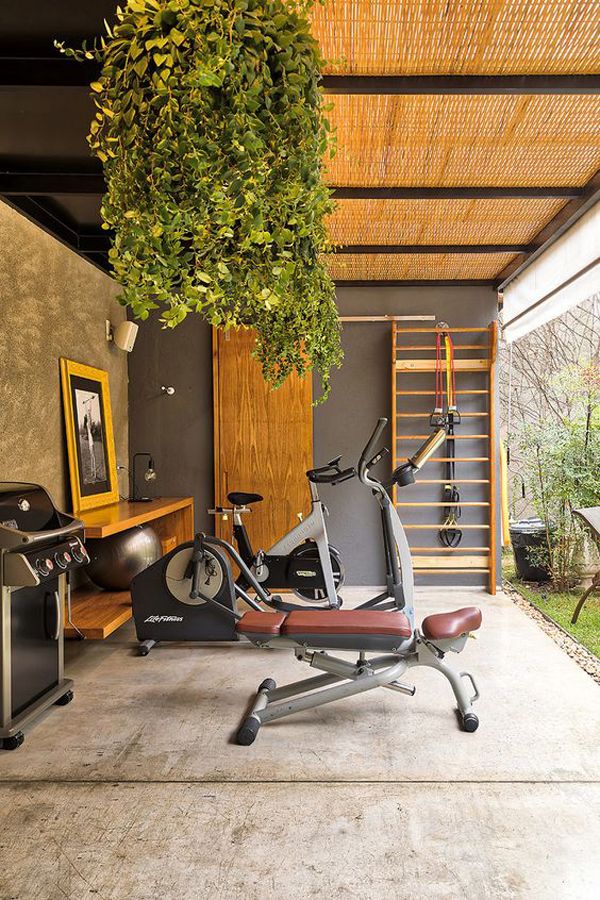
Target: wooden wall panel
(263, 439)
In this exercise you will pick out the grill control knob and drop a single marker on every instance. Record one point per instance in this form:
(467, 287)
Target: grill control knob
(62, 559)
(78, 553)
(43, 567)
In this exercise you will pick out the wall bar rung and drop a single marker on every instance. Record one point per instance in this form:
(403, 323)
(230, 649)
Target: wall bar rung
(456, 437)
(432, 393)
(415, 366)
(426, 415)
(400, 459)
(450, 549)
(453, 481)
(431, 347)
(441, 503)
(442, 330)
(455, 571)
(438, 525)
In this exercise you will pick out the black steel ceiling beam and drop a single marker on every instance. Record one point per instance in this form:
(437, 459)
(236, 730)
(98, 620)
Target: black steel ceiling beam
(456, 193)
(36, 211)
(459, 282)
(14, 184)
(462, 84)
(18, 70)
(94, 242)
(42, 71)
(562, 221)
(431, 248)
(99, 242)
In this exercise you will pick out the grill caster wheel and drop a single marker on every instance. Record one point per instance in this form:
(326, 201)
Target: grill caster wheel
(470, 722)
(12, 743)
(66, 698)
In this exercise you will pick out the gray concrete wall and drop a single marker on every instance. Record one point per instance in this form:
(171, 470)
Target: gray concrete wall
(361, 392)
(53, 303)
(178, 430)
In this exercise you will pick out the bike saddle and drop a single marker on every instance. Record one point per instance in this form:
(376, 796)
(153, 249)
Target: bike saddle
(240, 498)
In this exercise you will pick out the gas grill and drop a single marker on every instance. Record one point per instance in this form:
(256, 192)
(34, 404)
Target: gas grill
(39, 547)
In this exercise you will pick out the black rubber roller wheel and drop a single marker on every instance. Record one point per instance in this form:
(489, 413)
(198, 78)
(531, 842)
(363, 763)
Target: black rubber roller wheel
(66, 698)
(248, 731)
(12, 743)
(470, 722)
(267, 685)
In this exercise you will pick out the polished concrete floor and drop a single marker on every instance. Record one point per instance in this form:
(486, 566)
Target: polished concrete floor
(136, 790)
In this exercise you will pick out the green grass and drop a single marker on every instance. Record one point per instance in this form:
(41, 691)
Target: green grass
(559, 605)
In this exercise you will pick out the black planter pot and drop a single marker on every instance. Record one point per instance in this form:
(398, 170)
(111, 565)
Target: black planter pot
(525, 536)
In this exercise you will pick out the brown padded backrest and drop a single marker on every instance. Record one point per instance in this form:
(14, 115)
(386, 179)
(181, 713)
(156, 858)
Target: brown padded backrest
(261, 622)
(351, 621)
(442, 626)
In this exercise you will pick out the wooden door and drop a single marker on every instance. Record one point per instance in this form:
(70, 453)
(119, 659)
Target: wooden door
(263, 439)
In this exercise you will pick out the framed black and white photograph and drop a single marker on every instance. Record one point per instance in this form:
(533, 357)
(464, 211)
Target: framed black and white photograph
(90, 439)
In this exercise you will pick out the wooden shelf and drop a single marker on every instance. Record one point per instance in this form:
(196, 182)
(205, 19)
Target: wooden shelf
(100, 523)
(97, 613)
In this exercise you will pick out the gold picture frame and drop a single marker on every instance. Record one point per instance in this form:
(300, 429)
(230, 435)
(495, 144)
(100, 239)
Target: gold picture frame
(90, 437)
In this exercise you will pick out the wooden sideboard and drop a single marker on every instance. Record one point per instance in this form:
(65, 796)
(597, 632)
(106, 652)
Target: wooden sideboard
(98, 613)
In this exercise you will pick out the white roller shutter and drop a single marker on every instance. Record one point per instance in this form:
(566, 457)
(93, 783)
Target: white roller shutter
(565, 274)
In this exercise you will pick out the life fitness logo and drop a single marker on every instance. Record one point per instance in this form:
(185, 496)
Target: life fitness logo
(158, 620)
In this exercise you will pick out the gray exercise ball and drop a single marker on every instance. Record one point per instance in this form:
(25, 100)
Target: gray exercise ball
(116, 560)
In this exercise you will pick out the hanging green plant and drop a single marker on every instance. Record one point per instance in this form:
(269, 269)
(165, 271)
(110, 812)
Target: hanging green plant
(211, 130)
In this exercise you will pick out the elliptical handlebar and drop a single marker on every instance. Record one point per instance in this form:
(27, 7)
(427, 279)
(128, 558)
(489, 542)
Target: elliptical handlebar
(368, 456)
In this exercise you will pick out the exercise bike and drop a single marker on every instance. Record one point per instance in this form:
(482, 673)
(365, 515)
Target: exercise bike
(164, 611)
(302, 560)
(198, 577)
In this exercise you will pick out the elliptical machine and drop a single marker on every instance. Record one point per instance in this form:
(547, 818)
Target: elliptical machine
(165, 610)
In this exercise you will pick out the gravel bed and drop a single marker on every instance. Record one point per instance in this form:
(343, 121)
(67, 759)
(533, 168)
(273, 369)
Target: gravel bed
(582, 656)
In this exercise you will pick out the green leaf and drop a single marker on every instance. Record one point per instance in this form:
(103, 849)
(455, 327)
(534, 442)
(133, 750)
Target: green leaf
(211, 131)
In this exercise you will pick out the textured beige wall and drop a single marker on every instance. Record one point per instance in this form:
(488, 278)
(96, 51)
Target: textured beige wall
(52, 303)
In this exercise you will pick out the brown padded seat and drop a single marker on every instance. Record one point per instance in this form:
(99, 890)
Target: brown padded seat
(351, 621)
(261, 623)
(449, 625)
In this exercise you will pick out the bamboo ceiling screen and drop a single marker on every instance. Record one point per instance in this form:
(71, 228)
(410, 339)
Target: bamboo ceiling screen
(446, 140)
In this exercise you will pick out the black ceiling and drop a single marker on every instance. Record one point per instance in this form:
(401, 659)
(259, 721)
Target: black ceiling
(45, 110)
(43, 128)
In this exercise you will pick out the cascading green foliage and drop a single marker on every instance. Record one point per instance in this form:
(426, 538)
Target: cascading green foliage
(211, 130)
